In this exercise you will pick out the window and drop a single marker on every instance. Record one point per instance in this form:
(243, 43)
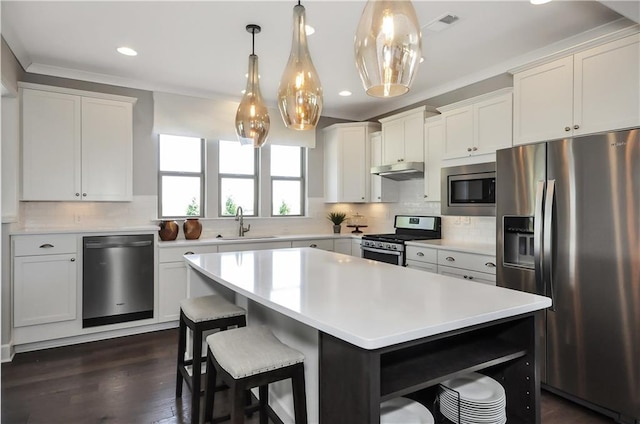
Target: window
(181, 176)
(237, 178)
(287, 180)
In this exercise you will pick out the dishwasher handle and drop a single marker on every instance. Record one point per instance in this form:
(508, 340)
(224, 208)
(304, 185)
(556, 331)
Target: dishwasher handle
(102, 245)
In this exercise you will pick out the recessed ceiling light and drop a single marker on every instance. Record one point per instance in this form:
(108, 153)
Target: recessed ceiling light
(308, 29)
(345, 93)
(127, 51)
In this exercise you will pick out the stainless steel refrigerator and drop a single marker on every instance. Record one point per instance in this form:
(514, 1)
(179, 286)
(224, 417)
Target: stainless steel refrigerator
(568, 227)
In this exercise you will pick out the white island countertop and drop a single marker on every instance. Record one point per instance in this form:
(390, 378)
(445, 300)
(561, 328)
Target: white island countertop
(366, 303)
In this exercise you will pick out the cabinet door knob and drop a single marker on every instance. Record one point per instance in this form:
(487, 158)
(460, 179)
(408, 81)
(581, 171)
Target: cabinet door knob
(362, 197)
(465, 277)
(490, 265)
(468, 149)
(450, 259)
(575, 127)
(84, 194)
(46, 246)
(474, 149)
(73, 259)
(471, 277)
(313, 245)
(77, 194)
(379, 198)
(567, 128)
(420, 254)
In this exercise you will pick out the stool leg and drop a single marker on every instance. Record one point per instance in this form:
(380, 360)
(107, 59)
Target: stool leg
(210, 389)
(299, 396)
(263, 392)
(237, 403)
(195, 381)
(182, 341)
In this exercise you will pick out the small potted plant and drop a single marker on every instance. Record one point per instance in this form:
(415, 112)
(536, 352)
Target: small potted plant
(337, 218)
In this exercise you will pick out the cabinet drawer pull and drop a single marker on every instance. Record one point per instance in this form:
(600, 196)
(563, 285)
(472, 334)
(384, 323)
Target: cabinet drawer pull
(490, 265)
(313, 245)
(420, 254)
(450, 259)
(567, 128)
(46, 246)
(189, 253)
(73, 259)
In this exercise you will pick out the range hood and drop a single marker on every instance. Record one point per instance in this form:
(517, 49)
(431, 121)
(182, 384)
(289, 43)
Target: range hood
(400, 171)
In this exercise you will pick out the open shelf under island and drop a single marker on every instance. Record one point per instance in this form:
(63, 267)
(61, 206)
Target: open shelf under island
(371, 331)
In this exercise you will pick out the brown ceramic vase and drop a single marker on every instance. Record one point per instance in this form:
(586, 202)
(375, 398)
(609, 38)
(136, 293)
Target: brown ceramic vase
(168, 230)
(192, 228)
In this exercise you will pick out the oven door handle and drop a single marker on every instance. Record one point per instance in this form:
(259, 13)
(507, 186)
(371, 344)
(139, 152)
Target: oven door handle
(386, 252)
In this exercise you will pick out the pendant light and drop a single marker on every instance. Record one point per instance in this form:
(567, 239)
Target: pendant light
(300, 92)
(388, 46)
(252, 117)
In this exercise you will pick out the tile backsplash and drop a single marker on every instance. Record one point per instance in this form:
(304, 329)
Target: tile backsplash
(143, 211)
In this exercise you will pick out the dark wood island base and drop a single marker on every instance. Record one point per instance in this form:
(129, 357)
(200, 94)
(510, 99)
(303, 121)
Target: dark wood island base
(354, 381)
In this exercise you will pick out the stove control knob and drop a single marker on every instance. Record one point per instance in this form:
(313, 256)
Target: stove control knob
(394, 247)
(387, 246)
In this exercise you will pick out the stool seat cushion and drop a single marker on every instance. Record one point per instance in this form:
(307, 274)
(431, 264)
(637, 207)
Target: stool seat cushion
(246, 351)
(207, 308)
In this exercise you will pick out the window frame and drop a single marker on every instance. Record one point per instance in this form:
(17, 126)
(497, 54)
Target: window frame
(201, 175)
(256, 182)
(302, 181)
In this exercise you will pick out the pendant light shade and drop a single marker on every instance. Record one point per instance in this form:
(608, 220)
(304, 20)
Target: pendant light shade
(388, 46)
(300, 92)
(252, 117)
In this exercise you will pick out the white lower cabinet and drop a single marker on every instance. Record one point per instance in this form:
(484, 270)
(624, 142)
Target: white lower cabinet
(343, 246)
(470, 266)
(45, 279)
(240, 247)
(323, 244)
(172, 279)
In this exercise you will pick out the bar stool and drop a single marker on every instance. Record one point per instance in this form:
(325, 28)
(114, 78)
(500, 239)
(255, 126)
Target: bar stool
(252, 357)
(201, 314)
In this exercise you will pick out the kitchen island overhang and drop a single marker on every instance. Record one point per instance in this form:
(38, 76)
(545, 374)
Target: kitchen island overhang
(383, 331)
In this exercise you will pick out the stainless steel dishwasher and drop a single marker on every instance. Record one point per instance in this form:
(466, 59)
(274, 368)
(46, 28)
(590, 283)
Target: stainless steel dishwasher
(117, 279)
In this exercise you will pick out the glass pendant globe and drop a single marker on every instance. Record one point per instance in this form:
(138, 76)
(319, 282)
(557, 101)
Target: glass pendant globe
(252, 116)
(300, 92)
(388, 47)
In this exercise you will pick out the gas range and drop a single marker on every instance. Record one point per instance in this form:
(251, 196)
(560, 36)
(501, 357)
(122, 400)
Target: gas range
(390, 248)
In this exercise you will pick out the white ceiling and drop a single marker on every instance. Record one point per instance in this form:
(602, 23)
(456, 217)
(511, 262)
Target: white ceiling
(201, 48)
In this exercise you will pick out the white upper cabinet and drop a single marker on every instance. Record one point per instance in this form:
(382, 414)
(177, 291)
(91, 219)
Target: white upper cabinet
(478, 126)
(592, 91)
(347, 162)
(76, 147)
(382, 189)
(403, 136)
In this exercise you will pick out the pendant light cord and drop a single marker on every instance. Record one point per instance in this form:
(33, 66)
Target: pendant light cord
(253, 42)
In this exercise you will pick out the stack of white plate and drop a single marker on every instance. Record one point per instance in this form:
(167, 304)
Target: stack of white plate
(404, 411)
(473, 399)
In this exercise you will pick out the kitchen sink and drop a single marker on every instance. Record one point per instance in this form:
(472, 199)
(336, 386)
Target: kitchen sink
(247, 238)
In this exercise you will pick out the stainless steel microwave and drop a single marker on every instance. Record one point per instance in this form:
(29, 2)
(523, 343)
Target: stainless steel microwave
(469, 190)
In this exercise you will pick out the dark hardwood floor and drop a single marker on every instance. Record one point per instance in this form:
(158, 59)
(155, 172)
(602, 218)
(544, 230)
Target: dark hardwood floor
(131, 380)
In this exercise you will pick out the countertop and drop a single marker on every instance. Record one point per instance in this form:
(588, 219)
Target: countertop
(254, 239)
(367, 303)
(85, 230)
(459, 246)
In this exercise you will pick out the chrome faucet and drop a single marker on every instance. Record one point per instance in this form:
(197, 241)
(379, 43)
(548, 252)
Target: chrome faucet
(240, 217)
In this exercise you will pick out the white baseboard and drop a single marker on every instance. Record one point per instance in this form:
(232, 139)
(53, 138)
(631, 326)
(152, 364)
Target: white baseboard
(7, 352)
(28, 347)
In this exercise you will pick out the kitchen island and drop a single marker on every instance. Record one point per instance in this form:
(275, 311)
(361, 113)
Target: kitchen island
(371, 331)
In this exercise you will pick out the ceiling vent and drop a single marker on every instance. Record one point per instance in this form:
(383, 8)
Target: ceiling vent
(442, 22)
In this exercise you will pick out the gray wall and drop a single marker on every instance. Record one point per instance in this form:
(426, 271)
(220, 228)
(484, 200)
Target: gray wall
(11, 73)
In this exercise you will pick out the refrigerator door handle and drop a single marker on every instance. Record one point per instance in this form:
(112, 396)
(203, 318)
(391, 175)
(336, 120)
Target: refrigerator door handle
(548, 240)
(537, 237)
